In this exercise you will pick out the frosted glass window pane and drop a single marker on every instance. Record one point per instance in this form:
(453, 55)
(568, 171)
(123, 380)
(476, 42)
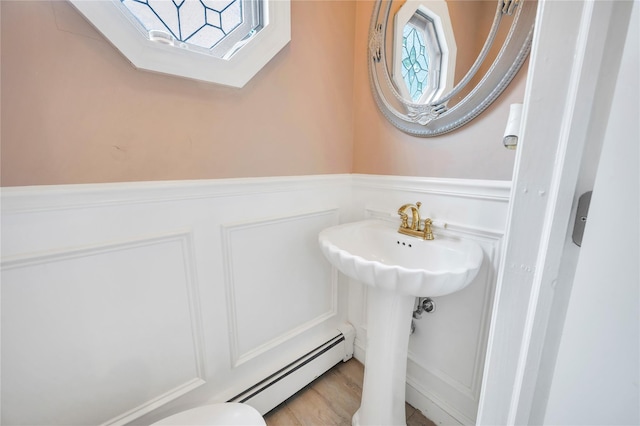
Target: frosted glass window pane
(217, 4)
(201, 23)
(207, 37)
(192, 18)
(167, 12)
(415, 62)
(231, 17)
(143, 14)
(213, 18)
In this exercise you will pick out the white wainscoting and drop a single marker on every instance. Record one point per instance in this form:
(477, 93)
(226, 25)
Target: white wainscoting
(250, 259)
(128, 302)
(125, 303)
(447, 350)
(98, 319)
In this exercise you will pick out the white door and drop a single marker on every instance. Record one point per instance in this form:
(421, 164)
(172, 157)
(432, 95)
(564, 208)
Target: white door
(573, 70)
(596, 374)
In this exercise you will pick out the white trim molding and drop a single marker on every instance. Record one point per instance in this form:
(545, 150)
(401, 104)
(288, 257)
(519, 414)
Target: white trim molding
(82, 307)
(40, 198)
(575, 53)
(497, 190)
(237, 262)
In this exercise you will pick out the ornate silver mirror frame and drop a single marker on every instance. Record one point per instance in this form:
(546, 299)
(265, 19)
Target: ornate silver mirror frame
(437, 117)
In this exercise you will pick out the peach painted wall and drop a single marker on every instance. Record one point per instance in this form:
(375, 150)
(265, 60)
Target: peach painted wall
(75, 111)
(473, 152)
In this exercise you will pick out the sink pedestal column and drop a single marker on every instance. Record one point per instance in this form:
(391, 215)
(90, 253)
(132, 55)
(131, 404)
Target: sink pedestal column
(388, 329)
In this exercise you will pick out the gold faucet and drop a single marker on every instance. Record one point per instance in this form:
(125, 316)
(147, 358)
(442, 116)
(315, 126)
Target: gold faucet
(414, 229)
(415, 216)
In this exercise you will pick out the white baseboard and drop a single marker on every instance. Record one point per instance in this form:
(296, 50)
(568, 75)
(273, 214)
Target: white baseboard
(278, 387)
(434, 411)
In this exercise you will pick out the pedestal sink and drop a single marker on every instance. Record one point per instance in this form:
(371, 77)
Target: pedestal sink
(398, 268)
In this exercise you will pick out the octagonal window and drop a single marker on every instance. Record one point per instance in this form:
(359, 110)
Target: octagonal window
(424, 50)
(219, 41)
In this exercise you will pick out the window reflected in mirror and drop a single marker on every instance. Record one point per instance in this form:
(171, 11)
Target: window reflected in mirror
(415, 62)
(427, 82)
(424, 38)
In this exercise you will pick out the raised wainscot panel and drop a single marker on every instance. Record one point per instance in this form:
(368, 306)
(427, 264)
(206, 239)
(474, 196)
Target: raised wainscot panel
(447, 350)
(277, 282)
(100, 334)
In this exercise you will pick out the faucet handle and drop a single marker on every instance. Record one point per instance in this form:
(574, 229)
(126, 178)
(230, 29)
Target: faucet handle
(404, 220)
(428, 233)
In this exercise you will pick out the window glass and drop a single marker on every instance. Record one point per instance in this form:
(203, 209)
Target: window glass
(415, 62)
(217, 27)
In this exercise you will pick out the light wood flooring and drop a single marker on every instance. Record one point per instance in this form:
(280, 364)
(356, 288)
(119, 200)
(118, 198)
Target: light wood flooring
(331, 399)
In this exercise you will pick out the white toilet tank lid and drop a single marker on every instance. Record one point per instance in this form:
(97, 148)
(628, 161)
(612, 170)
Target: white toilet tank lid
(231, 414)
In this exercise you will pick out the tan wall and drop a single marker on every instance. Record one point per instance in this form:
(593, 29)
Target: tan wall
(75, 111)
(472, 152)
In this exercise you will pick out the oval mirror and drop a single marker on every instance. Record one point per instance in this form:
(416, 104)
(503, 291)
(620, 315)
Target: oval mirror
(435, 65)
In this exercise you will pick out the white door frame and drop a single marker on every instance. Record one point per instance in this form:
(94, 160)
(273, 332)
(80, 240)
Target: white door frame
(567, 100)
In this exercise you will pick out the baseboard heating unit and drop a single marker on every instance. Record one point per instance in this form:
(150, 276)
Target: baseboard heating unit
(275, 389)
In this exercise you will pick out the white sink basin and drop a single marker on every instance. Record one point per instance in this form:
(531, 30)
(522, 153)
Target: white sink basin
(374, 253)
(398, 268)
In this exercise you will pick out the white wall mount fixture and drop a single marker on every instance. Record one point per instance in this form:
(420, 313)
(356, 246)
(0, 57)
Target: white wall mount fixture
(512, 131)
(109, 18)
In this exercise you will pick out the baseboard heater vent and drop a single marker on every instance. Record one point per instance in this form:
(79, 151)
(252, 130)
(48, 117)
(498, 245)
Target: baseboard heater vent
(275, 389)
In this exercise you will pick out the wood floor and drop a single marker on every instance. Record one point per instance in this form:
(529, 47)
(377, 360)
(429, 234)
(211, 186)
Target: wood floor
(331, 399)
